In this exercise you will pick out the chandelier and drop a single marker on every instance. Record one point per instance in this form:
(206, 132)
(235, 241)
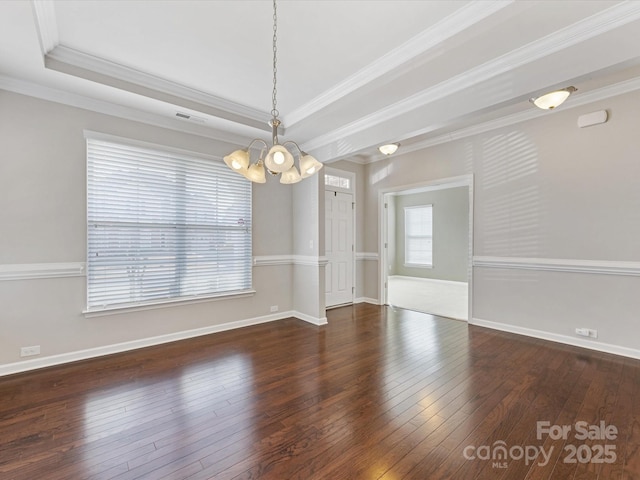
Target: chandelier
(279, 159)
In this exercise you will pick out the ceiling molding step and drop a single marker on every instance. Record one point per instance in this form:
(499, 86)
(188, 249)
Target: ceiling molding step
(576, 101)
(446, 28)
(581, 31)
(84, 65)
(107, 108)
(46, 24)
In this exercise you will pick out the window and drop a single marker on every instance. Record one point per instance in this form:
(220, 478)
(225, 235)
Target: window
(163, 226)
(337, 181)
(418, 236)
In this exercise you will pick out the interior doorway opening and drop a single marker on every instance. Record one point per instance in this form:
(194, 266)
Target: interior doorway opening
(427, 241)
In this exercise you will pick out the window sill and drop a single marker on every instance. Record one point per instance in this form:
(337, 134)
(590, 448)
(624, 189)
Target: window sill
(174, 302)
(417, 265)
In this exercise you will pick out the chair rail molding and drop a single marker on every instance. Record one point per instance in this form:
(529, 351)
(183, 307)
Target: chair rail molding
(367, 256)
(29, 271)
(602, 267)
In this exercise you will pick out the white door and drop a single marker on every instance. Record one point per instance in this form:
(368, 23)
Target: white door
(339, 248)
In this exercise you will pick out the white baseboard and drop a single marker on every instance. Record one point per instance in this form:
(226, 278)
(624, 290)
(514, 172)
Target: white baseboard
(555, 337)
(309, 318)
(372, 301)
(425, 279)
(52, 360)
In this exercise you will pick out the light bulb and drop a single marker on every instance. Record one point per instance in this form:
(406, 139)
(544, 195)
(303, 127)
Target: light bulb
(278, 157)
(235, 165)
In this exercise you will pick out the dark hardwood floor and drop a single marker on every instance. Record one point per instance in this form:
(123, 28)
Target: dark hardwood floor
(377, 394)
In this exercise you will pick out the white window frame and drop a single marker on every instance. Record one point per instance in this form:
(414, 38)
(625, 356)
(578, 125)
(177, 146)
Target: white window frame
(209, 169)
(408, 237)
(338, 181)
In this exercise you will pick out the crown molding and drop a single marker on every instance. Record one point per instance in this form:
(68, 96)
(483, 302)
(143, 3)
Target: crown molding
(581, 31)
(446, 28)
(603, 93)
(46, 24)
(84, 65)
(99, 106)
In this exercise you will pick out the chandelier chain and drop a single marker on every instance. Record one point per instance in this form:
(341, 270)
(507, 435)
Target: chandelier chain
(281, 157)
(274, 102)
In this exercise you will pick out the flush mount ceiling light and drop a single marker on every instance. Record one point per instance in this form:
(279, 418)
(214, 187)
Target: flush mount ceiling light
(279, 159)
(551, 100)
(389, 148)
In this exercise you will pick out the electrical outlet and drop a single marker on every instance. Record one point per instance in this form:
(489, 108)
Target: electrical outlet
(583, 332)
(586, 332)
(274, 308)
(30, 351)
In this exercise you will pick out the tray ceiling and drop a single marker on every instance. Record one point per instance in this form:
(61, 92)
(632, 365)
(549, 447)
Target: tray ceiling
(351, 74)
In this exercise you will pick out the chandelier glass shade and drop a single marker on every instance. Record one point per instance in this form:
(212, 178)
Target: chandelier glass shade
(280, 159)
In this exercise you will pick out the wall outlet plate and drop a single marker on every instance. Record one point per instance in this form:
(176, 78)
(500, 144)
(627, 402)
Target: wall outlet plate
(587, 332)
(274, 308)
(30, 351)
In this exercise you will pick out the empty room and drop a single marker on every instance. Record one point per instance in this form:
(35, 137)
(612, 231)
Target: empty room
(356, 239)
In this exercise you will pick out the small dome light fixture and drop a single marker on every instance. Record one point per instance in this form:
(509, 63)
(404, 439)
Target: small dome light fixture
(551, 100)
(389, 148)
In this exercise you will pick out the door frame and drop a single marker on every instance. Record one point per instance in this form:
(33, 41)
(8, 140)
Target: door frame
(439, 184)
(352, 192)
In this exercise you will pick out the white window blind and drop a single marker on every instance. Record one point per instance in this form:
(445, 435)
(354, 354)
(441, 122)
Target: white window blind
(163, 226)
(418, 229)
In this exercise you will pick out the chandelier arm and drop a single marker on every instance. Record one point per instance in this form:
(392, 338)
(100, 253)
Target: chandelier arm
(300, 151)
(265, 146)
(257, 140)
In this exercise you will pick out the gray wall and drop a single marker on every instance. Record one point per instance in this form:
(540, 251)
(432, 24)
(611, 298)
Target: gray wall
(544, 189)
(43, 222)
(450, 234)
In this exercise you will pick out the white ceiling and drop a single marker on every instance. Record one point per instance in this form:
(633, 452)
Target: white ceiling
(352, 74)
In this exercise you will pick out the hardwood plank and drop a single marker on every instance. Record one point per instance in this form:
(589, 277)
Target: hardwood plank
(378, 393)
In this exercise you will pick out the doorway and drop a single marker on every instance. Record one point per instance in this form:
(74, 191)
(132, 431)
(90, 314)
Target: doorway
(426, 254)
(339, 237)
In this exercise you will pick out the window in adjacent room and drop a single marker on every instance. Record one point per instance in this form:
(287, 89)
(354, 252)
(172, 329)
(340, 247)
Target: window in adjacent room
(163, 226)
(418, 236)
